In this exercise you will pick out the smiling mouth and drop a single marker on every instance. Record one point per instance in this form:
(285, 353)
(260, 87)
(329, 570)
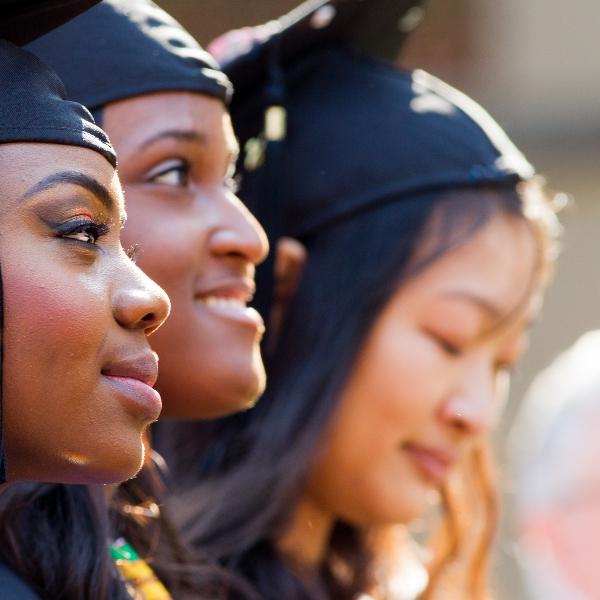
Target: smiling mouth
(230, 302)
(434, 465)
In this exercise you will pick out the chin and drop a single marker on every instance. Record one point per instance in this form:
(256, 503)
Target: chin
(400, 508)
(112, 469)
(116, 463)
(232, 387)
(216, 400)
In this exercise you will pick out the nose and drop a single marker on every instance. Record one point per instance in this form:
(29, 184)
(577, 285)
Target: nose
(238, 233)
(138, 302)
(471, 409)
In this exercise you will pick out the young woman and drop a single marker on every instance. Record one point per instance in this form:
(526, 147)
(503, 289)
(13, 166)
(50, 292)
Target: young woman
(429, 242)
(176, 153)
(76, 313)
(169, 123)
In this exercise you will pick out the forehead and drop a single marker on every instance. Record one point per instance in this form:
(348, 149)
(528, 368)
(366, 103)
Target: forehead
(138, 119)
(25, 164)
(497, 262)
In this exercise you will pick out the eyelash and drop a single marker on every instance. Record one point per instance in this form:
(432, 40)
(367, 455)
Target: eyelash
(447, 347)
(133, 253)
(93, 231)
(232, 183)
(455, 351)
(181, 167)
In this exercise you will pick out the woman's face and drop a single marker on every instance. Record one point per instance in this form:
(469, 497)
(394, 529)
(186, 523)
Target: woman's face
(425, 387)
(78, 368)
(197, 240)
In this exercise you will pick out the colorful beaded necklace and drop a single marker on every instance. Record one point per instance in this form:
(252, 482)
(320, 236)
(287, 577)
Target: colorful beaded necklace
(139, 577)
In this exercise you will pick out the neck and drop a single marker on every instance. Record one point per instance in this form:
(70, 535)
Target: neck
(305, 540)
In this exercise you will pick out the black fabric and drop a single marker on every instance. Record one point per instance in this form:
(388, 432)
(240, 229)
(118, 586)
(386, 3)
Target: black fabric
(12, 587)
(21, 21)
(378, 28)
(33, 108)
(359, 131)
(127, 48)
(257, 60)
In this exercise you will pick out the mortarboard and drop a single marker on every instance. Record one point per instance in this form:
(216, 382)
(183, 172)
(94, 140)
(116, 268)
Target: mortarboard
(330, 127)
(127, 48)
(24, 20)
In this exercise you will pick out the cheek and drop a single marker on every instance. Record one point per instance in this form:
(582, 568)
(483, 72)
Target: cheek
(172, 245)
(391, 396)
(397, 381)
(47, 306)
(55, 327)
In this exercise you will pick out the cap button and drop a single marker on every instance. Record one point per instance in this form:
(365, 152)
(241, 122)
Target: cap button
(323, 16)
(411, 18)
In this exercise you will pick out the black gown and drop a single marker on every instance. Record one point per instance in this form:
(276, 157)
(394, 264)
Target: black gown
(12, 587)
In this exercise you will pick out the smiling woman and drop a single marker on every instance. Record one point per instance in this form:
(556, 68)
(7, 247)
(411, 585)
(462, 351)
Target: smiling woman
(429, 241)
(168, 120)
(169, 123)
(177, 152)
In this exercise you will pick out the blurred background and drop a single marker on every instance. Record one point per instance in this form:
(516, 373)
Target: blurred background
(533, 66)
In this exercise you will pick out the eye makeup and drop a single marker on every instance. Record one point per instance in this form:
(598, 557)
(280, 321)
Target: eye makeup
(82, 229)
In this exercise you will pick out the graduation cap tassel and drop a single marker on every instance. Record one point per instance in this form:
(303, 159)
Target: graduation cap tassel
(272, 211)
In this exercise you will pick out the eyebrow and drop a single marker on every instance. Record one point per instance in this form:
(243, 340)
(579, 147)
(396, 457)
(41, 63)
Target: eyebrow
(483, 303)
(193, 137)
(72, 178)
(183, 135)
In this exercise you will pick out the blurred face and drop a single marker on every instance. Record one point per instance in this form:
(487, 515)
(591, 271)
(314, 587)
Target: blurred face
(78, 369)
(197, 240)
(424, 389)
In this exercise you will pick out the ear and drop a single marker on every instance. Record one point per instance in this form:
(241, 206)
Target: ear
(290, 258)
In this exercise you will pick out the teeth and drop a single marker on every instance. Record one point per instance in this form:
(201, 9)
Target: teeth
(220, 301)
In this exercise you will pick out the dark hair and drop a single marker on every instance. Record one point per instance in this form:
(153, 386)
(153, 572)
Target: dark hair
(252, 466)
(55, 537)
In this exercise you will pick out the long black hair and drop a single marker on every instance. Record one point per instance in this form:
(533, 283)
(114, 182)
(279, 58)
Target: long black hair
(252, 466)
(55, 537)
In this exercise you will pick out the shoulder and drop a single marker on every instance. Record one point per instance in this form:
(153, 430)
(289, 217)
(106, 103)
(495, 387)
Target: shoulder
(12, 587)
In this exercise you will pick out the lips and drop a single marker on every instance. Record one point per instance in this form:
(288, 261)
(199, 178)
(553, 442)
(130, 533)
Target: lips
(228, 299)
(434, 464)
(240, 289)
(132, 379)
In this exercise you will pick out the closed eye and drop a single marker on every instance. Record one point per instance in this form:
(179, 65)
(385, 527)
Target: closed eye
(447, 346)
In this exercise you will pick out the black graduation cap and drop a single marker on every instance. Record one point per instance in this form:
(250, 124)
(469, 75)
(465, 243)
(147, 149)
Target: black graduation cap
(22, 21)
(126, 48)
(258, 60)
(329, 127)
(378, 28)
(32, 104)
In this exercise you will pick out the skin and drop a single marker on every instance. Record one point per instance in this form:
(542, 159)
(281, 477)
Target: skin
(77, 316)
(427, 377)
(176, 155)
